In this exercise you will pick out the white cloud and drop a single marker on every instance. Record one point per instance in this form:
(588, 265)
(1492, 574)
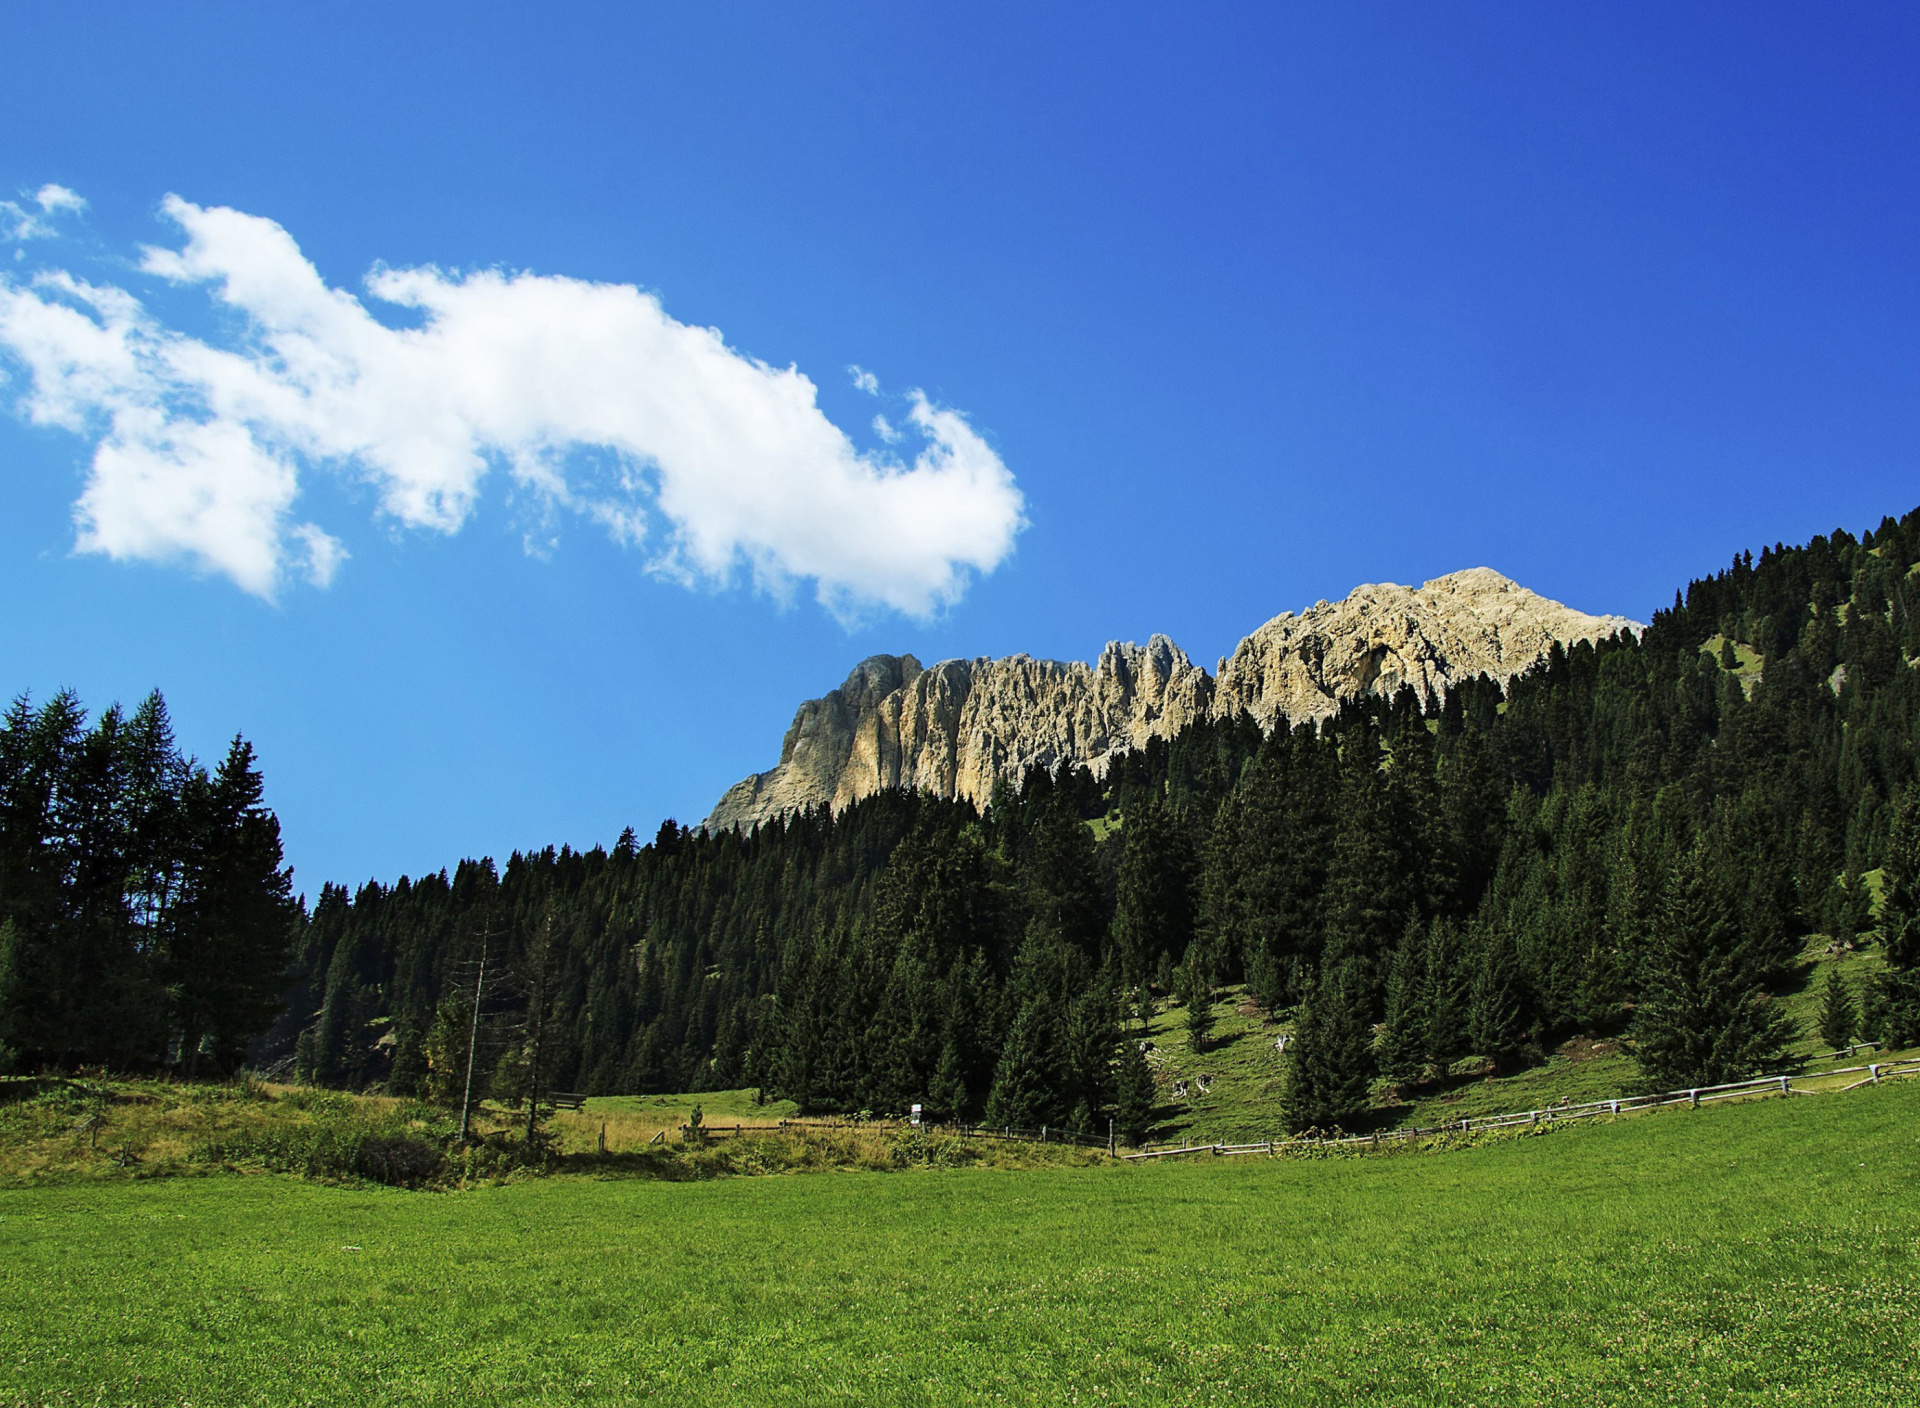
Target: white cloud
(864, 380)
(886, 430)
(19, 223)
(54, 199)
(589, 396)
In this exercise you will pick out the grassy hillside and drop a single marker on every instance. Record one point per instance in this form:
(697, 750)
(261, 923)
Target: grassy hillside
(1247, 1072)
(1766, 1253)
(61, 1131)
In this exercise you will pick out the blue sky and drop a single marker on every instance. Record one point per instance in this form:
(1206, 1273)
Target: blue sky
(1214, 311)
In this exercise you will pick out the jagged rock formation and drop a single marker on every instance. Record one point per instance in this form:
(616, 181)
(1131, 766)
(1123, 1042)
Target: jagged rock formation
(957, 728)
(1383, 636)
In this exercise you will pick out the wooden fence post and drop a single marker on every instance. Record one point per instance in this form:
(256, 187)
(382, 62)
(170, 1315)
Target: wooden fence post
(1696, 1098)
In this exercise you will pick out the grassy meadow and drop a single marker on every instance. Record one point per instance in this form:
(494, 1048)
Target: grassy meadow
(1760, 1253)
(1247, 1074)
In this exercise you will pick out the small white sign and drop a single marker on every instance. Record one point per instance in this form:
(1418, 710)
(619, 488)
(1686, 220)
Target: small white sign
(914, 1112)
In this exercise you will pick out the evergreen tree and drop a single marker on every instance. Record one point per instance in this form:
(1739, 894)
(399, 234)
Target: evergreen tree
(1154, 902)
(1031, 1072)
(1330, 1059)
(1403, 1036)
(1063, 875)
(1033, 1079)
(1839, 1014)
(1367, 889)
(1134, 1098)
(1446, 998)
(1092, 1036)
(1895, 996)
(1196, 990)
(1497, 1022)
(1705, 1018)
(947, 1091)
(232, 927)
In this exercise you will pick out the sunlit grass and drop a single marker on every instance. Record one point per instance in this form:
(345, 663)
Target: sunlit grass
(1764, 1253)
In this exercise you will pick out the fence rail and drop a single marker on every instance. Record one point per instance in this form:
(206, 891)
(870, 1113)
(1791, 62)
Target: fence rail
(1785, 1086)
(1626, 1104)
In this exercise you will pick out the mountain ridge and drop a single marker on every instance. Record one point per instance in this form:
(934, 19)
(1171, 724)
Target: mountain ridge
(958, 726)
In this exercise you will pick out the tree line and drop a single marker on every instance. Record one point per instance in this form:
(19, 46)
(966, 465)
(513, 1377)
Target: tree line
(146, 919)
(1632, 839)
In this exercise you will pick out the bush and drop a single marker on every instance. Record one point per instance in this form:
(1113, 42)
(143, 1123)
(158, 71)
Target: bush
(395, 1158)
(398, 1160)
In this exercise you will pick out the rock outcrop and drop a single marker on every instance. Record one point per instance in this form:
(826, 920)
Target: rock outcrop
(1383, 636)
(958, 727)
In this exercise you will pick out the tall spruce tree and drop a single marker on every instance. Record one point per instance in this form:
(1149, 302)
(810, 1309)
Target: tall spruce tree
(232, 927)
(1032, 1081)
(1446, 998)
(1196, 990)
(1134, 1097)
(947, 1091)
(1330, 1059)
(1154, 889)
(1839, 1012)
(1895, 997)
(1402, 1045)
(1705, 1018)
(1497, 1022)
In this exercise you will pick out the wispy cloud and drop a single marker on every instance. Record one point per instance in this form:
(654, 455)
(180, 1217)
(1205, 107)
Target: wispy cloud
(18, 222)
(589, 396)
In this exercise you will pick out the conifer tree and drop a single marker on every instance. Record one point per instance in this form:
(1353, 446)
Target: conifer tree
(1367, 890)
(947, 1090)
(1153, 907)
(1330, 1059)
(1092, 1035)
(1705, 1018)
(1196, 990)
(1134, 1097)
(1839, 1014)
(233, 924)
(1063, 875)
(1403, 1036)
(1446, 999)
(1028, 1079)
(1033, 1077)
(1497, 1024)
(1895, 996)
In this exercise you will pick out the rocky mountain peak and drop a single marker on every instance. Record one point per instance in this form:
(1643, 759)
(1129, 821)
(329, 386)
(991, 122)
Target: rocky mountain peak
(957, 727)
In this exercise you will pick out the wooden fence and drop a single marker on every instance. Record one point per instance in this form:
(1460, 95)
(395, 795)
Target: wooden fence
(1783, 1086)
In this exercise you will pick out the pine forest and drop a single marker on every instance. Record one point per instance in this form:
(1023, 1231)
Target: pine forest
(1630, 839)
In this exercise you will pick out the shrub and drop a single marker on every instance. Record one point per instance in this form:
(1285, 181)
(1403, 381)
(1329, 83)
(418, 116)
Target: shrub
(398, 1160)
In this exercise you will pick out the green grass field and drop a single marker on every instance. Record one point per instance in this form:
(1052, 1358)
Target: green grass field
(1248, 1074)
(1762, 1253)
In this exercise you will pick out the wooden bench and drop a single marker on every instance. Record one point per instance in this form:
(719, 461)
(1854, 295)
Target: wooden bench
(566, 1100)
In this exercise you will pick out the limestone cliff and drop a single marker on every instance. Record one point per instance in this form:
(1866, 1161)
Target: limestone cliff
(957, 727)
(1381, 637)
